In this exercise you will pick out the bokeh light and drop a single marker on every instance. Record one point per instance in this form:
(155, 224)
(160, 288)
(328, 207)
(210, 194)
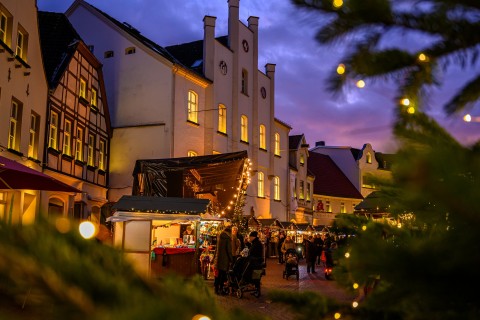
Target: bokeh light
(62, 224)
(361, 84)
(201, 317)
(337, 315)
(341, 68)
(354, 304)
(337, 3)
(87, 229)
(405, 102)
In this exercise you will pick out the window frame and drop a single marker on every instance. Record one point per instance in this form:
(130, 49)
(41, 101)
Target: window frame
(82, 89)
(53, 130)
(192, 153)
(307, 194)
(3, 18)
(67, 137)
(276, 188)
(79, 143)
(277, 144)
(91, 150)
(15, 125)
(192, 106)
(261, 184)
(33, 135)
(222, 119)
(301, 191)
(244, 82)
(94, 98)
(262, 137)
(102, 159)
(244, 128)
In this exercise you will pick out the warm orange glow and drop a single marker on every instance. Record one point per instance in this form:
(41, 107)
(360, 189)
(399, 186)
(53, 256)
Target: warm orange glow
(411, 110)
(360, 84)
(341, 68)
(422, 57)
(337, 3)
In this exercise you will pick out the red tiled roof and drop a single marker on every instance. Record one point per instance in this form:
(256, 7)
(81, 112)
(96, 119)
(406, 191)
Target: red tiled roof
(329, 179)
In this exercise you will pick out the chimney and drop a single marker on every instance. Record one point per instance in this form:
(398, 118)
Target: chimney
(233, 21)
(209, 46)
(320, 144)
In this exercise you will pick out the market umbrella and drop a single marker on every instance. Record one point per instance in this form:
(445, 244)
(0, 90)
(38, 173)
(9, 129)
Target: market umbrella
(14, 175)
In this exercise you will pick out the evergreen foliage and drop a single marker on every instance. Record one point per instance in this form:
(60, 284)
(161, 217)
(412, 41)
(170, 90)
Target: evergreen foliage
(46, 274)
(425, 264)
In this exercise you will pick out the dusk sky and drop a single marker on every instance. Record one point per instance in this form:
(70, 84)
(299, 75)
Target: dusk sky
(286, 38)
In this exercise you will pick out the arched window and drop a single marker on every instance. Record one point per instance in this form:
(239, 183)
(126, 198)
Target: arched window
(244, 128)
(191, 154)
(222, 118)
(261, 182)
(277, 144)
(369, 157)
(192, 106)
(244, 81)
(262, 137)
(276, 188)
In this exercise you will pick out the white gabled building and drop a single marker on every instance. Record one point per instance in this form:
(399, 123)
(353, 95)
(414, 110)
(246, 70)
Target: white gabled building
(23, 100)
(198, 98)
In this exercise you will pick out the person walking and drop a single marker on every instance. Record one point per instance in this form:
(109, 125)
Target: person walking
(223, 258)
(310, 254)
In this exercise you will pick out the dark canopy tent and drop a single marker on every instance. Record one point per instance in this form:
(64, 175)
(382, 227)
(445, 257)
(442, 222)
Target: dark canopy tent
(220, 178)
(375, 205)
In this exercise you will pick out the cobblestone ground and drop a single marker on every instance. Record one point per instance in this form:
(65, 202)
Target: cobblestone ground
(274, 280)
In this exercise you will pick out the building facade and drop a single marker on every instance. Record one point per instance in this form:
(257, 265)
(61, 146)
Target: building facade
(23, 101)
(78, 125)
(198, 98)
(301, 181)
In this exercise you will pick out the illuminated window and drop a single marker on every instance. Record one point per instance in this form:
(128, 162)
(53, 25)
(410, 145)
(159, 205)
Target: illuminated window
(308, 191)
(244, 128)
(342, 207)
(3, 26)
(262, 137)
(192, 107)
(244, 81)
(328, 206)
(91, 150)
(301, 195)
(130, 50)
(102, 155)
(83, 89)
(261, 183)
(369, 157)
(3, 205)
(295, 189)
(222, 118)
(33, 136)
(191, 154)
(22, 43)
(302, 160)
(277, 144)
(67, 137)
(276, 188)
(52, 135)
(79, 144)
(94, 98)
(14, 131)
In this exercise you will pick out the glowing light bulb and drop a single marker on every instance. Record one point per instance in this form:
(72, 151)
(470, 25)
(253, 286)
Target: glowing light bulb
(347, 255)
(467, 118)
(405, 102)
(411, 110)
(355, 286)
(364, 228)
(422, 57)
(337, 3)
(361, 84)
(201, 317)
(355, 304)
(337, 315)
(87, 229)
(341, 68)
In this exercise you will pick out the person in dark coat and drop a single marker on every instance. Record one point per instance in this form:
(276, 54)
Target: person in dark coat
(223, 258)
(281, 238)
(318, 246)
(310, 254)
(255, 256)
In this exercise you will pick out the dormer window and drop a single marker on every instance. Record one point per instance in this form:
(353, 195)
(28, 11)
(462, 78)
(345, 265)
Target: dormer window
(108, 54)
(130, 50)
(369, 157)
(302, 160)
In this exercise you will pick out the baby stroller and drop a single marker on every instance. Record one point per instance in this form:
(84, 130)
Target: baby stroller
(291, 264)
(242, 277)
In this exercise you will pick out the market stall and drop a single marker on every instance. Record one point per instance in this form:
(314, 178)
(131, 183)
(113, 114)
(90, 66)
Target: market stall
(159, 235)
